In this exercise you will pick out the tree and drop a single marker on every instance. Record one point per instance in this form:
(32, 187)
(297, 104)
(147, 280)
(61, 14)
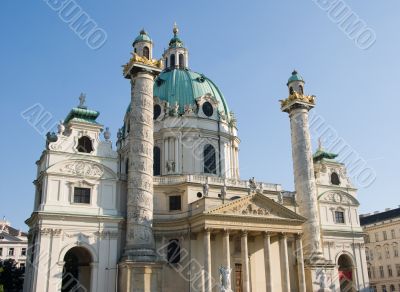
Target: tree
(11, 277)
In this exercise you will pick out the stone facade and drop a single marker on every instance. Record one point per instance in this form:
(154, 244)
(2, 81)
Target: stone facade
(13, 244)
(382, 241)
(167, 210)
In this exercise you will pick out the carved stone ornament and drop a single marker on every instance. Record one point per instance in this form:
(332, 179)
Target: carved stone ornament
(142, 60)
(207, 98)
(190, 110)
(58, 145)
(50, 231)
(298, 97)
(248, 208)
(106, 234)
(170, 166)
(339, 198)
(82, 168)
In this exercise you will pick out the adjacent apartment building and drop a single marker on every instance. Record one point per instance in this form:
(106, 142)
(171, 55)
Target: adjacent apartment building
(13, 243)
(382, 241)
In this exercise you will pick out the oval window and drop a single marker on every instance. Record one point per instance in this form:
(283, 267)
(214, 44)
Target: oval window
(208, 109)
(157, 111)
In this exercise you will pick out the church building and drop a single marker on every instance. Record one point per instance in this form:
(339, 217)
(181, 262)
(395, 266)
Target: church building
(165, 209)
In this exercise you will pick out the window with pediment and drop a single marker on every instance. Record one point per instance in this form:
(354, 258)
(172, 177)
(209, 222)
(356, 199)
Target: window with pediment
(395, 249)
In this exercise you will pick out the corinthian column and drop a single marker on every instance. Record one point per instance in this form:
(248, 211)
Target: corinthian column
(285, 263)
(207, 261)
(267, 261)
(139, 233)
(245, 262)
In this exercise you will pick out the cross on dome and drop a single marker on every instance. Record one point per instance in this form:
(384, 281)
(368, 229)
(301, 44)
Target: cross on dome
(82, 100)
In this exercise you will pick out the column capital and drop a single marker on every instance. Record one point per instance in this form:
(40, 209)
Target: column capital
(226, 231)
(283, 235)
(244, 233)
(267, 234)
(299, 236)
(207, 230)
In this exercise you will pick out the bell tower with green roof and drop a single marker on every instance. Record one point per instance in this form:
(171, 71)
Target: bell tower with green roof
(176, 56)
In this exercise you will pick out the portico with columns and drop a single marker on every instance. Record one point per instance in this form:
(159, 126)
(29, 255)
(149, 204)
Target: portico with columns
(254, 237)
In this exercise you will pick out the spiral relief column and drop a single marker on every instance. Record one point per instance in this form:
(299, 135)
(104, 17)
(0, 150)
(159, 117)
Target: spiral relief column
(319, 272)
(139, 233)
(138, 268)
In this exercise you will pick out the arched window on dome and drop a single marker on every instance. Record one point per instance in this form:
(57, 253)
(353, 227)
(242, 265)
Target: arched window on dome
(210, 164)
(301, 89)
(291, 91)
(84, 145)
(166, 62)
(146, 52)
(172, 60)
(181, 61)
(335, 179)
(156, 161)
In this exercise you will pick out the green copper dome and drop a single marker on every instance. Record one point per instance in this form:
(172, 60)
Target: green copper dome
(81, 114)
(295, 77)
(142, 37)
(184, 86)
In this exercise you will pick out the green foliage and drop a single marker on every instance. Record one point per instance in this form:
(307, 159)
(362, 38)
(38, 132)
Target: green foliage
(11, 277)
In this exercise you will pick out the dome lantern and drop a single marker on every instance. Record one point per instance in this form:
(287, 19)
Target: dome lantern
(176, 56)
(143, 45)
(296, 83)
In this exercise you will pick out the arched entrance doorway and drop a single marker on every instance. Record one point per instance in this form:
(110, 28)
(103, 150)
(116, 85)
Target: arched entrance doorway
(76, 273)
(346, 273)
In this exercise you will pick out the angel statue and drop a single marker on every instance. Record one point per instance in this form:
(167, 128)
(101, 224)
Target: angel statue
(225, 279)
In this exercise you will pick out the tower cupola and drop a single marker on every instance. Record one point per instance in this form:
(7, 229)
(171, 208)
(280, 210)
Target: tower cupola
(176, 56)
(296, 83)
(143, 45)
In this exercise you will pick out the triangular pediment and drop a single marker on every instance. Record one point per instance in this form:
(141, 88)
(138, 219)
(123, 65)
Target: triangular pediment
(256, 205)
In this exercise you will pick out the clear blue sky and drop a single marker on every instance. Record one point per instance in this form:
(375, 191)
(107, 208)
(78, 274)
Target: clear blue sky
(249, 48)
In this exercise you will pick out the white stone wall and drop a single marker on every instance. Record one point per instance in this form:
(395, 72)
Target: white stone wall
(59, 224)
(341, 238)
(182, 140)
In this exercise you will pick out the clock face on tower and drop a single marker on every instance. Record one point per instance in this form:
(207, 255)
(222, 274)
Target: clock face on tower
(208, 109)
